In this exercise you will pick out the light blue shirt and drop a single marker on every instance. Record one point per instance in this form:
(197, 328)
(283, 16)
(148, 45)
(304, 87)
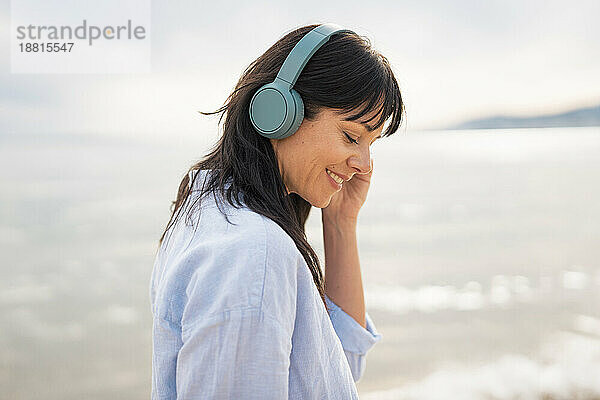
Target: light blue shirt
(237, 315)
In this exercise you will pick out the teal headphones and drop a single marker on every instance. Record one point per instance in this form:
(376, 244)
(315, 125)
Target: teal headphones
(276, 109)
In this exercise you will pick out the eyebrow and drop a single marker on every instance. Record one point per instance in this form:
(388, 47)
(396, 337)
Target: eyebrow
(370, 129)
(367, 126)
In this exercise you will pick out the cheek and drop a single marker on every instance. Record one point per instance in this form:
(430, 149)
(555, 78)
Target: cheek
(306, 160)
(338, 153)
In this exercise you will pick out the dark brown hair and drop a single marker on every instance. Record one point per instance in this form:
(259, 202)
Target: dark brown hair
(344, 74)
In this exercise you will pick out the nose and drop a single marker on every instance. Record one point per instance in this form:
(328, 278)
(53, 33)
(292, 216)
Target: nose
(360, 162)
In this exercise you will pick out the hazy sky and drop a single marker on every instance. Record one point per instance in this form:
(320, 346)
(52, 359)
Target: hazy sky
(454, 60)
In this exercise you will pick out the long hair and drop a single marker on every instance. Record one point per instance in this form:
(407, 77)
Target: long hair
(345, 74)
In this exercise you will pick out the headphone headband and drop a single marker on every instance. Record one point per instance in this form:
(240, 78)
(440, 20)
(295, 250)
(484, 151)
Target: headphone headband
(276, 109)
(303, 50)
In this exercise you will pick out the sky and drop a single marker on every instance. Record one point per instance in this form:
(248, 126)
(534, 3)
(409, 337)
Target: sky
(453, 60)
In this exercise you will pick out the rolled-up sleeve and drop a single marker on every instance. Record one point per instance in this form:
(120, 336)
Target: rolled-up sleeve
(356, 340)
(241, 354)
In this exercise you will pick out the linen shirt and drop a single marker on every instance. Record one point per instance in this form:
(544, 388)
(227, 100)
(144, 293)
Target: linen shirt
(236, 315)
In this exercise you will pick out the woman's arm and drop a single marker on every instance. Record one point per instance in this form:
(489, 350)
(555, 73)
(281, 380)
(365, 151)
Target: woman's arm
(239, 354)
(344, 294)
(343, 281)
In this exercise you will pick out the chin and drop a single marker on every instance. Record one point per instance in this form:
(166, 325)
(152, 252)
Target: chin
(319, 203)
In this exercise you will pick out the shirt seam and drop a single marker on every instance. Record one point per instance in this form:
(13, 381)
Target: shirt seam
(224, 314)
(217, 316)
(266, 249)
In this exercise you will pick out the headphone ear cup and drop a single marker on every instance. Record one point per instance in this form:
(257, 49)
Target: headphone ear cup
(298, 114)
(269, 110)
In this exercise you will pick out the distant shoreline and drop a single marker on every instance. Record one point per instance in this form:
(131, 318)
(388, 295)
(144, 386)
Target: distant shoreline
(581, 117)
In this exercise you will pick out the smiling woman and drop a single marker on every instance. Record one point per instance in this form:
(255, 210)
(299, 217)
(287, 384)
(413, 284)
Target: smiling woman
(320, 149)
(241, 307)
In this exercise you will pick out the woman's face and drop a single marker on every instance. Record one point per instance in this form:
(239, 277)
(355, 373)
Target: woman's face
(321, 145)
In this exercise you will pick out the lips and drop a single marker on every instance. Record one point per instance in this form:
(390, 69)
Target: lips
(336, 185)
(345, 178)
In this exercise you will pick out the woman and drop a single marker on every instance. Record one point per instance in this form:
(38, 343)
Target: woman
(241, 308)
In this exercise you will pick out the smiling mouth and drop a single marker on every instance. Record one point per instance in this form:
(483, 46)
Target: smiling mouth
(335, 177)
(333, 180)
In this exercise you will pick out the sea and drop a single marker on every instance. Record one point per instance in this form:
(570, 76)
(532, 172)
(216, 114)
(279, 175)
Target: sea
(479, 250)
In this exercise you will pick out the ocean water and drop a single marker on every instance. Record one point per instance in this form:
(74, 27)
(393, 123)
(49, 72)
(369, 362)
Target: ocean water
(479, 252)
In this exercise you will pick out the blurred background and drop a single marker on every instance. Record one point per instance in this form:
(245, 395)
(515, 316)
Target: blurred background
(479, 240)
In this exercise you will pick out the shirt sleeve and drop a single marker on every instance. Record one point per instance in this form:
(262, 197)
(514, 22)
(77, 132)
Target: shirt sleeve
(241, 354)
(239, 314)
(356, 340)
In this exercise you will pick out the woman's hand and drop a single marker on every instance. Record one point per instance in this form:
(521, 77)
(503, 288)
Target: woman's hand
(346, 203)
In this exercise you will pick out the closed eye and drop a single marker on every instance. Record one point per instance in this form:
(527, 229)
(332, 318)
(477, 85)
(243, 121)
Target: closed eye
(350, 138)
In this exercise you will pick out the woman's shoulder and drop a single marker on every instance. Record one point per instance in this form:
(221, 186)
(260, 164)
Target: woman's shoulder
(252, 265)
(249, 262)
(246, 234)
(242, 225)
